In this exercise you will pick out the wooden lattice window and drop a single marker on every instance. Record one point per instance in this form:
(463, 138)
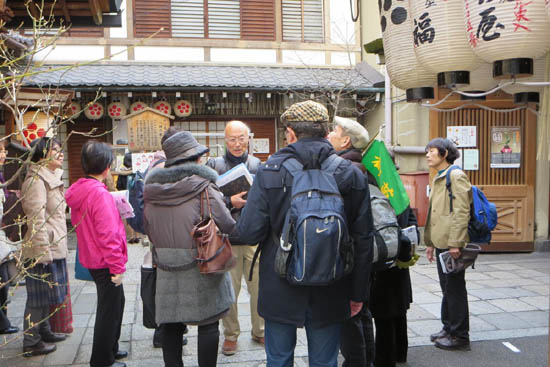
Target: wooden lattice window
(303, 20)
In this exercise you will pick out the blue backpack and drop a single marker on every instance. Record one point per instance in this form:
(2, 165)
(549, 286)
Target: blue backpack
(483, 213)
(136, 184)
(314, 247)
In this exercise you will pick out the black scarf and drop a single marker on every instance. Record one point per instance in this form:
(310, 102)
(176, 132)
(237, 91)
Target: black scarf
(233, 161)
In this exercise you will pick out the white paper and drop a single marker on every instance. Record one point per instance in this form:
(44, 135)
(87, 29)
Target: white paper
(141, 161)
(260, 145)
(471, 159)
(462, 136)
(411, 234)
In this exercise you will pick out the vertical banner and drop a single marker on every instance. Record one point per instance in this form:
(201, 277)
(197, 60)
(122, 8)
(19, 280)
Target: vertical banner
(378, 162)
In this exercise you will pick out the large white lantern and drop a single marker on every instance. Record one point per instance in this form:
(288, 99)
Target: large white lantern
(94, 111)
(529, 93)
(440, 43)
(509, 34)
(404, 69)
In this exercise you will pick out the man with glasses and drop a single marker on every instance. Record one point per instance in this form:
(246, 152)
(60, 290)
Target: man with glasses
(236, 152)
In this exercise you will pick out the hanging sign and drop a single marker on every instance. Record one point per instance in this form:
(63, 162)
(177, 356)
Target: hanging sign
(505, 147)
(145, 129)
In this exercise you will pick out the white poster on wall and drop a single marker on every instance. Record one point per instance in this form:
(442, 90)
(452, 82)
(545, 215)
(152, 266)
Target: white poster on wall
(471, 159)
(260, 146)
(462, 136)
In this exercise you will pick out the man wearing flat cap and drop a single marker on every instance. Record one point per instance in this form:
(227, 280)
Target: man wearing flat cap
(285, 307)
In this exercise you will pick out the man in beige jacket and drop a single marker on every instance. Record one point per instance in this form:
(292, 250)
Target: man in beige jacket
(447, 230)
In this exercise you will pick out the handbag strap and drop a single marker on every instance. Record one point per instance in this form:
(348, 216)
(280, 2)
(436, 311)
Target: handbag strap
(171, 268)
(205, 192)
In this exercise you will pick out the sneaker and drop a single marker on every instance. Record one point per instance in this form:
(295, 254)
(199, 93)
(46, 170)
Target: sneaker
(229, 347)
(438, 335)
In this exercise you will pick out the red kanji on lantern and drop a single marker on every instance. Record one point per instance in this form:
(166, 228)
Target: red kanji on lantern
(520, 14)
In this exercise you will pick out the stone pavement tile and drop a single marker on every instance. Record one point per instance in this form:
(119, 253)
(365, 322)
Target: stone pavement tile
(535, 318)
(75, 338)
(419, 340)
(471, 297)
(505, 321)
(504, 283)
(425, 327)
(85, 303)
(125, 333)
(128, 317)
(428, 287)
(476, 275)
(503, 274)
(245, 357)
(426, 297)
(543, 290)
(507, 266)
(83, 354)
(149, 363)
(17, 360)
(516, 292)
(431, 310)
(140, 332)
(81, 320)
(89, 288)
(143, 349)
(64, 355)
(474, 285)
(301, 337)
(88, 336)
(423, 312)
(512, 305)
(477, 324)
(542, 280)
(540, 302)
(410, 333)
(529, 273)
(482, 308)
(487, 293)
(421, 279)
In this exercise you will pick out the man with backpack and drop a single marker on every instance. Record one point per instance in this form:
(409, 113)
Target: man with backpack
(236, 152)
(447, 230)
(310, 211)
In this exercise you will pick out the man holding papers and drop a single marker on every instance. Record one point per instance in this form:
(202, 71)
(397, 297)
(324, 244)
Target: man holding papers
(236, 142)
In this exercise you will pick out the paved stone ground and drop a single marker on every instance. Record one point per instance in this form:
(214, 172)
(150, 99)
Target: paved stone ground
(508, 294)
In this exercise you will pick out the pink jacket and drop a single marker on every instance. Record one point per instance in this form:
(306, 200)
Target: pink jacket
(99, 229)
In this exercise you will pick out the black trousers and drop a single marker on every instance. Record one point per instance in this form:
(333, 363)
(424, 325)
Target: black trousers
(357, 340)
(391, 341)
(108, 319)
(4, 277)
(172, 344)
(454, 306)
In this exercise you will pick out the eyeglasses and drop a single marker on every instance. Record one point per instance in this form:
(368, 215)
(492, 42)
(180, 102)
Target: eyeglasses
(240, 139)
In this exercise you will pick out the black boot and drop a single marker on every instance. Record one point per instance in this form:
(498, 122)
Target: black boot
(453, 343)
(438, 335)
(38, 349)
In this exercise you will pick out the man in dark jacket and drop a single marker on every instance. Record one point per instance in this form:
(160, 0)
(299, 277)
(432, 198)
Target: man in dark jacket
(236, 142)
(321, 309)
(349, 138)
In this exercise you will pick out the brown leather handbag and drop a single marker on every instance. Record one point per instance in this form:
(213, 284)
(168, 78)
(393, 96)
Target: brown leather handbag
(214, 252)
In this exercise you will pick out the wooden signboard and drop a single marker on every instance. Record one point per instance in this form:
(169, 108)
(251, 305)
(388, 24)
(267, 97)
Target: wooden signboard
(145, 129)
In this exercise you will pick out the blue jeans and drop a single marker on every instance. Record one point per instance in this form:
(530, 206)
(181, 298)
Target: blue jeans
(323, 344)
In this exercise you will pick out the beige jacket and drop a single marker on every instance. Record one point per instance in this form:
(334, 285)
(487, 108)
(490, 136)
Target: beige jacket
(443, 228)
(44, 206)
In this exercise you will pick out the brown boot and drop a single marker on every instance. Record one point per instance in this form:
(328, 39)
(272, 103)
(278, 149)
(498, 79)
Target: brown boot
(229, 347)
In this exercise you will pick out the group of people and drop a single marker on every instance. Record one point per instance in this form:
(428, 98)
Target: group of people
(181, 192)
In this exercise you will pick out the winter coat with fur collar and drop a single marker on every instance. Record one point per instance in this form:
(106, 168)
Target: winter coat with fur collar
(172, 208)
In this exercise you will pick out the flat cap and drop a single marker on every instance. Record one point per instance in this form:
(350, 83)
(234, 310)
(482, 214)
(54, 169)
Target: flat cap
(307, 111)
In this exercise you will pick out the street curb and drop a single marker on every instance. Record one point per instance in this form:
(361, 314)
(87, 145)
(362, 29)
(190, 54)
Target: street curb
(542, 245)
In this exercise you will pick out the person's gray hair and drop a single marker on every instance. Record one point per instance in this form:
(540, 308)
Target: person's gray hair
(357, 133)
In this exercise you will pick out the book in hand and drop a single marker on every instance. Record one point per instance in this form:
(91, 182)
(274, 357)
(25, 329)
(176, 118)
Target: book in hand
(411, 234)
(122, 204)
(234, 181)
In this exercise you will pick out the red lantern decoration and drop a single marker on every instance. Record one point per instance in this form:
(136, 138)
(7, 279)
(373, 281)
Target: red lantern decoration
(183, 108)
(163, 106)
(137, 106)
(95, 111)
(116, 110)
(74, 108)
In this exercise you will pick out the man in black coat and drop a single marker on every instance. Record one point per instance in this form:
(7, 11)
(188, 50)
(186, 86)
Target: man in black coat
(321, 309)
(349, 139)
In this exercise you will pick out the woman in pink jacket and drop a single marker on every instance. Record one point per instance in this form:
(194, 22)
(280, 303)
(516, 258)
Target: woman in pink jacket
(101, 249)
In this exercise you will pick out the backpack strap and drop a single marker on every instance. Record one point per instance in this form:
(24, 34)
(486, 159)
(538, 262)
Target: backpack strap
(331, 163)
(293, 166)
(448, 185)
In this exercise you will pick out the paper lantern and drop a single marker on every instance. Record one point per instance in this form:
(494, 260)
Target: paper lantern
(137, 106)
(116, 110)
(183, 108)
(75, 108)
(35, 125)
(529, 93)
(95, 111)
(163, 106)
(404, 69)
(509, 34)
(440, 43)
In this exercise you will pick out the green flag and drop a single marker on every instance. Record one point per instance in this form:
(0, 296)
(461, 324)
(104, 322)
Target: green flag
(378, 162)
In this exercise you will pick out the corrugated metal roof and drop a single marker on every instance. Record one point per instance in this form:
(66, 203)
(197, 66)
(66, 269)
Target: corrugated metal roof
(110, 76)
